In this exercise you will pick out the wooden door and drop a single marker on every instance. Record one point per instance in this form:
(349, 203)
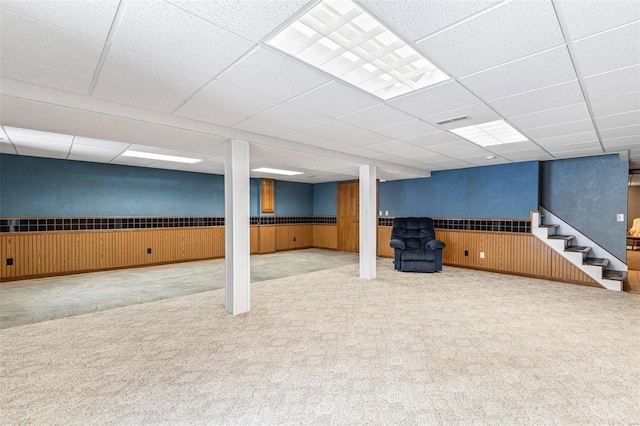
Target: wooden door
(348, 216)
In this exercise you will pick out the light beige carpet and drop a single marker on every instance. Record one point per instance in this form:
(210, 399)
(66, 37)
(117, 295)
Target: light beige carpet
(458, 347)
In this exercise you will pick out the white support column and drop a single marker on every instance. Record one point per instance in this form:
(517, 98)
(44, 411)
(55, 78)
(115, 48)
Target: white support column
(236, 229)
(368, 222)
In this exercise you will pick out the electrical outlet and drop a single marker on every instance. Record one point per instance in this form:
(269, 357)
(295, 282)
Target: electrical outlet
(380, 213)
(466, 252)
(294, 239)
(620, 217)
(9, 261)
(149, 250)
(481, 255)
(386, 212)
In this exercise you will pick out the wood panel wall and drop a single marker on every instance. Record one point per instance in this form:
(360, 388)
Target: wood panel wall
(521, 254)
(267, 239)
(325, 236)
(290, 237)
(56, 253)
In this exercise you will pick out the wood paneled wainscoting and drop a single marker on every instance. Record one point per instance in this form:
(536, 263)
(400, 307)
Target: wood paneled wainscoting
(506, 252)
(37, 254)
(49, 253)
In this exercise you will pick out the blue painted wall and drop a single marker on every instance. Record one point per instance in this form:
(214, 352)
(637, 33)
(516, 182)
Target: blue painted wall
(32, 186)
(588, 193)
(501, 191)
(293, 199)
(325, 196)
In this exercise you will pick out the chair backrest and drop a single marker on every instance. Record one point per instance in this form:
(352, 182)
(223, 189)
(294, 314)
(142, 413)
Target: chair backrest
(415, 231)
(635, 229)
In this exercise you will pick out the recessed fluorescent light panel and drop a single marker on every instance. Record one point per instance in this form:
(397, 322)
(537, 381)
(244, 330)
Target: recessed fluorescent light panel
(342, 39)
(492, 133)
(276, 171)
(161, 157)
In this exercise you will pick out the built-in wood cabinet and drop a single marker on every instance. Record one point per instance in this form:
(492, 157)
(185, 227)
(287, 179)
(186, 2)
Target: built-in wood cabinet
(267, 196)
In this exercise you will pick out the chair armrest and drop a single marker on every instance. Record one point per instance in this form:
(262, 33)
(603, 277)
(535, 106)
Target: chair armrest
(435, 245)
(399, 244)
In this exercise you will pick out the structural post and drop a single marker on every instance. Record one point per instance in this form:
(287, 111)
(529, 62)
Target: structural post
(368, 222)
(236, 226)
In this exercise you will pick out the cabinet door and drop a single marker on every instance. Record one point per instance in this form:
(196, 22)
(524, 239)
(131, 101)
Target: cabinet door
(267, 195)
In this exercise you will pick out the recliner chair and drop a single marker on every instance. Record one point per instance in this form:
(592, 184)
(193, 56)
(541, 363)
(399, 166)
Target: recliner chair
(415, 246)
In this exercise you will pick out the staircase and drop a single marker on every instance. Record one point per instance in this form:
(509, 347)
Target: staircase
(578, 249)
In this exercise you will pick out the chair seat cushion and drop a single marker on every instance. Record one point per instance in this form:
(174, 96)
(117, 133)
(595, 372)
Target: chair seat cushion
(414, 243)
(418, 254)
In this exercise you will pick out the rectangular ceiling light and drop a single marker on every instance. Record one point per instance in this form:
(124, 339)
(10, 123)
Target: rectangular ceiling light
(276, 171)
(161, 157)
(492, 133)
(345, 41)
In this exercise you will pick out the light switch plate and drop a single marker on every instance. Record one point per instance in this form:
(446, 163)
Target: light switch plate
(620, 217)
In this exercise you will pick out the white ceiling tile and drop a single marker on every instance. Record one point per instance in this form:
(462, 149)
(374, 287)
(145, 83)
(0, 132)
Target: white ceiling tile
(622, 144)
(408, 129)
(561, 129)
(417, 19)
(171, 35)
(618, 120)
(449, 164)
(376, 117)
(393, 147)
(588, 17)
(53, 151)
(365, 139)
(263, 127)
(208, 114)
(609, 50)
(100, 143)
(323, 100)
(152, 149)
(531, 157)
(290, 116)
(578, 153)
(141, 81)
(568, 139)
(44, 76)
(533, 72)
(454, 148)
(17, 134)
(511, 31)
(92, 153)
(435, 100)
(332, 129)
(513, 149)
(132, 161)
(302, 137)
(539, 100)
(273, 75)
(620, 132)
(518, 153)
(573, 147)
(613, 83)
(551, 117)
(410, 155)
(616, 104)
(433, 139)
(92, 18)
(32, 41)
(234, 99)
(250, 19)
(479, 113)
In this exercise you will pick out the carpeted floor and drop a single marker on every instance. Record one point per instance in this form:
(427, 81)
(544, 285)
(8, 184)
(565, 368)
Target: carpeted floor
(458, 347)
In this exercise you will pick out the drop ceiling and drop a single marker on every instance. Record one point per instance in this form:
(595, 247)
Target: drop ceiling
(87, 80)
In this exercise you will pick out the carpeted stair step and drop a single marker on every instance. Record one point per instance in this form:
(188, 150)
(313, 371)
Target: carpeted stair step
(614, 275)
(578, 249)
(596, 261)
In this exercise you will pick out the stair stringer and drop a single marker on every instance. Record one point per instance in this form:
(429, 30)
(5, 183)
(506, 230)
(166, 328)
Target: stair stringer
(595, 272)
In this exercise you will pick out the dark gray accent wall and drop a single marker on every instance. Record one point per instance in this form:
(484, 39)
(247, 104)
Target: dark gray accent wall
(502, 191)
(587, 193)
